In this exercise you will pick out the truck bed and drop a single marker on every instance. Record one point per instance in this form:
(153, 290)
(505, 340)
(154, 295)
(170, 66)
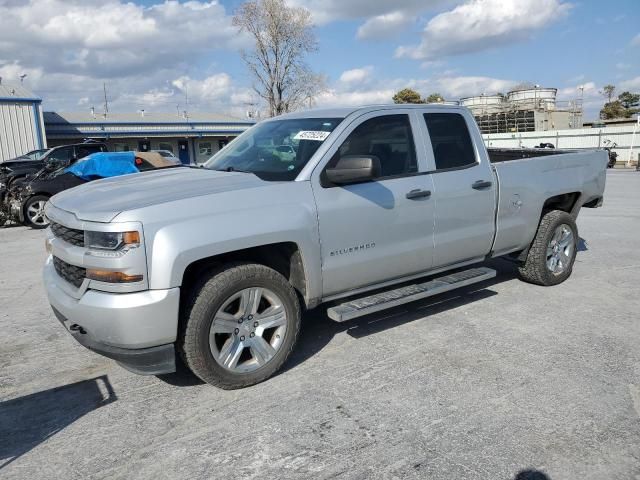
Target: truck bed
(525, 182)
(506, 154)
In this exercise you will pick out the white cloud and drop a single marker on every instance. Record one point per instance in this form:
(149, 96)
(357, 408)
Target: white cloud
(589, 89)
(356, 75)
(385, 25)
(325, 11)
(636, 40)
(110, 38)
(633, 85)
(336, 98)
(382, 91)
(481, 24)
(466, 86)
(68, 48)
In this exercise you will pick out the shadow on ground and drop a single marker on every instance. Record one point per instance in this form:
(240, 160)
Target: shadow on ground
(318, 329)
(26, 422)
(531, 475)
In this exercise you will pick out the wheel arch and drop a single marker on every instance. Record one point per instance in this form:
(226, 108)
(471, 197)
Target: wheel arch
(566, 202)
(284, 257)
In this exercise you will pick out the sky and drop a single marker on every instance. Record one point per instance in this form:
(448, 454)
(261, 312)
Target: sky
(165, 56)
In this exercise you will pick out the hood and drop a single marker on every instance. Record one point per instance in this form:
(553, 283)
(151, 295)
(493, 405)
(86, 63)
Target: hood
(20, 162)
(103, 200)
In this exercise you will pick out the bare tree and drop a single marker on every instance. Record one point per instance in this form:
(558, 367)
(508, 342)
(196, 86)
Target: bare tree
(608, 91)
(283, 37)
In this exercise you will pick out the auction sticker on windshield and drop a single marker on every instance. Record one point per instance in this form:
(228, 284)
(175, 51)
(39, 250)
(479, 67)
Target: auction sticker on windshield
(319, 135)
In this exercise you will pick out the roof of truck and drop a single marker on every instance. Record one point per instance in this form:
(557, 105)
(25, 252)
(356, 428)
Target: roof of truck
(344, 112)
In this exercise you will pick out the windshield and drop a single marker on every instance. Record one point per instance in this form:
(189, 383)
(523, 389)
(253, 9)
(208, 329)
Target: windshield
(274, 150)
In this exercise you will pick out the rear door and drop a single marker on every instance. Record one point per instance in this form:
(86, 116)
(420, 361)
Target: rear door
(378, 230)
(464, 188)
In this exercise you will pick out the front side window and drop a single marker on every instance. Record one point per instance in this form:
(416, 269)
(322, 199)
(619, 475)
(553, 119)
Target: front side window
(61, 154)
(275, 150)
(450, 139)
(388, 138)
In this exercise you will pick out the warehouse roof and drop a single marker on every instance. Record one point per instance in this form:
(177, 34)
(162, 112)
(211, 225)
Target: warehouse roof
(87, 118)
(16, 93)
(123, 125)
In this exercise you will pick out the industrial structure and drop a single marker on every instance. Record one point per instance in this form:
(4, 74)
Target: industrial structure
(524, 110)
(21, 122)
(193, 137)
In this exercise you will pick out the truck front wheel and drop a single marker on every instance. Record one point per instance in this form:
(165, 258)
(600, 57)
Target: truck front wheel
(239, 325)
(34, 216)
(553, 251)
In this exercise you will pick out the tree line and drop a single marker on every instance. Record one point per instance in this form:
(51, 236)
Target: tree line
(624, 106)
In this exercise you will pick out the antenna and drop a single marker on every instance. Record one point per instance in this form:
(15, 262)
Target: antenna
(106, 102)
(22, 77)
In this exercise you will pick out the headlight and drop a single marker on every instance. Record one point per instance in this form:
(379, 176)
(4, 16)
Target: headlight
(111, 240)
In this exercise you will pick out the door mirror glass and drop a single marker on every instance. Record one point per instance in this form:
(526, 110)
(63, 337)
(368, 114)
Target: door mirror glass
(354, 169)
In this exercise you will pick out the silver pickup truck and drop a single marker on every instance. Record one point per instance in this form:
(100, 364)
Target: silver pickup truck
(213, 267)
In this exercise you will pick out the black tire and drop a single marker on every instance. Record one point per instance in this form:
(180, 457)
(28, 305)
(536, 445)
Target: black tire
(27, 205)
(535, 270)
(207, 297)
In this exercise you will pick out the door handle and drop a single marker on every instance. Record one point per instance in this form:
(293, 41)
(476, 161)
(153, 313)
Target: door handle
(417, 193)
(481, 184)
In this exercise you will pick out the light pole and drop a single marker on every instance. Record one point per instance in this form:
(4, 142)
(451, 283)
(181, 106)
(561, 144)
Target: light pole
(633, 140)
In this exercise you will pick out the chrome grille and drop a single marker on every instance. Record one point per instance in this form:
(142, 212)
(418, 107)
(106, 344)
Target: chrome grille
(69, 235)
(72, 274)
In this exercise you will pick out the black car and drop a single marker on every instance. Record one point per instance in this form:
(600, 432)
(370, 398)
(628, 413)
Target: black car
(28, 196)
(30, 165)
(62, 155)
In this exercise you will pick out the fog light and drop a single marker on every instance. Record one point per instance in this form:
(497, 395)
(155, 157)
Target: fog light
(112, 277)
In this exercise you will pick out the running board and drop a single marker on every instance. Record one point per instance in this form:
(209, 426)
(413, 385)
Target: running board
(410, 293)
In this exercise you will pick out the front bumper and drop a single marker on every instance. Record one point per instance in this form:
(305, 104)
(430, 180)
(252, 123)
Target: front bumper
(136, 329)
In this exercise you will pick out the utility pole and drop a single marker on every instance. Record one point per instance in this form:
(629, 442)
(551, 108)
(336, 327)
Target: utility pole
(106, 102)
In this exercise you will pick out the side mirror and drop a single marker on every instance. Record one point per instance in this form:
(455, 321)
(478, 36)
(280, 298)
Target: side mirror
(354, 169)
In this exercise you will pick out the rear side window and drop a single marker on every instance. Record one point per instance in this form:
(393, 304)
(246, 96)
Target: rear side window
(85, 150)
(450, 139)
(389, 138)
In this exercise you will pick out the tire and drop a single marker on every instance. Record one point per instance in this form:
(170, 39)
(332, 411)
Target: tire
(556, 238)
(34, 212)
(252, 352)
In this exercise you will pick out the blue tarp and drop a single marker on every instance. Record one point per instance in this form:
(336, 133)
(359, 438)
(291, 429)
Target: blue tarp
(104, 165)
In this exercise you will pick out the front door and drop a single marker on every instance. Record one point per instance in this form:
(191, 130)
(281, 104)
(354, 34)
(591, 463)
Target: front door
(183, 151)
(465, 191)
(374, 231)
(144, 145)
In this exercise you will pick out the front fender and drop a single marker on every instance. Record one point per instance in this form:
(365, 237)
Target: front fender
(226, 223)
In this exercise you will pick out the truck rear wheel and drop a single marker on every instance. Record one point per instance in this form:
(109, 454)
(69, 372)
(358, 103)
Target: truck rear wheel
(239, 326)
(553, 251)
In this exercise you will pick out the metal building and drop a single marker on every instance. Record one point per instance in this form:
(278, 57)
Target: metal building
(21, 121)
(524, 110)
(194, 137)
